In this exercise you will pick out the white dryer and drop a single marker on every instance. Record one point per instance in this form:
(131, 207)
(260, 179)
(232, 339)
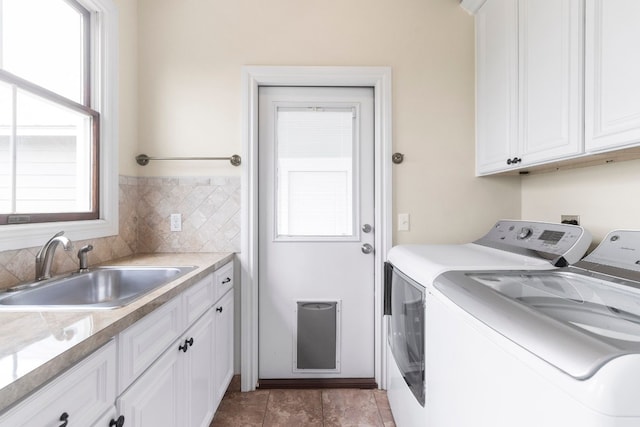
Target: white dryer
(538, 348)
(409, 277)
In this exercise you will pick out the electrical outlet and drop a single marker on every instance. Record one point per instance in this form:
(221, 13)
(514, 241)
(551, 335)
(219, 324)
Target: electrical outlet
(403, 222)
(176, 222)
(570, 219)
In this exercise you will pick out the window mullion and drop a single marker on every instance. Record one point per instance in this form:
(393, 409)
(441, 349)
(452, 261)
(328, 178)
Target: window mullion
(45, 93)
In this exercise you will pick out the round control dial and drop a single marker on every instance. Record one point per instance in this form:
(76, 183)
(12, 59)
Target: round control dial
(524, 233)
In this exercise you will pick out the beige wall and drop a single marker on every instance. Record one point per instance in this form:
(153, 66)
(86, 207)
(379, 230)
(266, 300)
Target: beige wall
(190, 57)
(128, 85)
(605, 197)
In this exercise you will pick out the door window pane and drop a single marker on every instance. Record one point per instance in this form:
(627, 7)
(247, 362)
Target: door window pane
(315, 172)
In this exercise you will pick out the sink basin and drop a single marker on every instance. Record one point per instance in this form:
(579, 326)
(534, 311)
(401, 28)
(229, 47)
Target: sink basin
(104, 287)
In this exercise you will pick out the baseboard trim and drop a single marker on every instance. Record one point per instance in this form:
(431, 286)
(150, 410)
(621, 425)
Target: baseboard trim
(305, 383)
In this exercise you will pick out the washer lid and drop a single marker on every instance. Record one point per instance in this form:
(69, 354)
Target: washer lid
(573, 320)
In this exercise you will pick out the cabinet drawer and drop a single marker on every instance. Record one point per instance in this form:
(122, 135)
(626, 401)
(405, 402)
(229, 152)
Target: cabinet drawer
(223, 279)
(82, 393)
(143, 342)
(199, 298)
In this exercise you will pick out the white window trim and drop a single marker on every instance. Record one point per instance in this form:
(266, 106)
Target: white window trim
(105, 100)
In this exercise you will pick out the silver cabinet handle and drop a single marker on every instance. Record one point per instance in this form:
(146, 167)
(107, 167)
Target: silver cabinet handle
(367, 228)
(366, 248)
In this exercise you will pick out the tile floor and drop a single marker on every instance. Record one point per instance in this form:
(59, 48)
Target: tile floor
(297, 408)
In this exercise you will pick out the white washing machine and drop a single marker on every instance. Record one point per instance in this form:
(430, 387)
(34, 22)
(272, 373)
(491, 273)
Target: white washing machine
(409, 277)
(538, 348)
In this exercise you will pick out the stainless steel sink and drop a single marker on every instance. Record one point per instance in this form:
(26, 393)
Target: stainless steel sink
(99, 288)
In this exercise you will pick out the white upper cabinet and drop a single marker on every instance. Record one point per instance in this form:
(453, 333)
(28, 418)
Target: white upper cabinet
(556, 80)
(550, 77)
(529, 82)
(497, 84)
(612, 74)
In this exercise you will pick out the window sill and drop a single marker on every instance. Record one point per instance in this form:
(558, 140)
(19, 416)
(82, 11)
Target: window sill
(21, 236)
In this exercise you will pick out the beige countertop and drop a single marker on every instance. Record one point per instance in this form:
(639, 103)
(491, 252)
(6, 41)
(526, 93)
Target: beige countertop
(36, 346)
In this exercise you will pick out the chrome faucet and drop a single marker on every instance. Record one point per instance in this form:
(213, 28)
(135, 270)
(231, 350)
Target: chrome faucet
(82, 258)
(44, 258)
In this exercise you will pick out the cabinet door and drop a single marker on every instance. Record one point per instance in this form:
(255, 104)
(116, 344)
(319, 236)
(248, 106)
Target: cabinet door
(550, 76)
(143, 342)
(497, 85)
(200, 360)
(156, 398)
(223, 320)
(78, 396)
(612, 74)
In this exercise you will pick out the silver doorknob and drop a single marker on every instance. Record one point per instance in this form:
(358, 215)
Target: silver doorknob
(366, 248)
(366, 228)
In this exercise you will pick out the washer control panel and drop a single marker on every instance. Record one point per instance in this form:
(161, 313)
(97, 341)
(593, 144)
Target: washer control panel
(551, 239)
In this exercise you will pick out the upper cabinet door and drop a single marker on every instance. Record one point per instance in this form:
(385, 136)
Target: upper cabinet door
(550, 120)
(497, 84)
(612, 74)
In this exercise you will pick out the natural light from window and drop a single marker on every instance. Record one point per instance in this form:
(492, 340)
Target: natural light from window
(42, 41)
(48, 133)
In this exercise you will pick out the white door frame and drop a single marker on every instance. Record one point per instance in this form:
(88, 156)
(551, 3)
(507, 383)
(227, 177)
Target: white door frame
(252, 77)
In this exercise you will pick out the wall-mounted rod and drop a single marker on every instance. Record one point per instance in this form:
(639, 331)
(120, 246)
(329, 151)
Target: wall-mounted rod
(144, 160)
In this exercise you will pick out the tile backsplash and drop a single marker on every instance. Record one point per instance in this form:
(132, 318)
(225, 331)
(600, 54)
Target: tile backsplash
(210, 209)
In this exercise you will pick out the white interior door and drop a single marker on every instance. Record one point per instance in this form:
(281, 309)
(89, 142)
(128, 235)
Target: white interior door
(316, 216)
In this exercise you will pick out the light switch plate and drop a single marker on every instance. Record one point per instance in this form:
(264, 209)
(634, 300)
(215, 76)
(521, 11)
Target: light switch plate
(403, 222)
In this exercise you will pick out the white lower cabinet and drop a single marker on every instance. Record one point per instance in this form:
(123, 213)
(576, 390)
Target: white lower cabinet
(154, 399)
(223, 366)
(184, 386)
(79, 397)
(172, 368)
(177, 389)
(198, 375)
(143, 342)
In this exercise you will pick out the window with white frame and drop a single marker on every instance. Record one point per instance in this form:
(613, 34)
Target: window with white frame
(57, 62)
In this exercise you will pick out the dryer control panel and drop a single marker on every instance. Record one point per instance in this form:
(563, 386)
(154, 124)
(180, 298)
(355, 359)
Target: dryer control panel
(619, 249)
(562, 243)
